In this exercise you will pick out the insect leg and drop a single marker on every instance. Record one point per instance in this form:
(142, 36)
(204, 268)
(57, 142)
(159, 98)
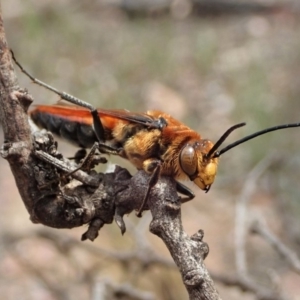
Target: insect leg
(79, 155)
(153, 180)
(184, 190)
(90, 160)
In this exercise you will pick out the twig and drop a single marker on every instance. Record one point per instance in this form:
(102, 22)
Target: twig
(75, 204)
(105, 289)
(248, 285)
(242, 211)
(147, 258)
(260, 227)
(243, 280)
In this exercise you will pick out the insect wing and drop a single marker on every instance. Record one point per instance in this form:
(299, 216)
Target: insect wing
(75, 123)
(111, 117)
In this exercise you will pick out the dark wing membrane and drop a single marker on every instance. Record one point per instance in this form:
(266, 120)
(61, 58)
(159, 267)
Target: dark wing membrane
(82, 115)
(131, 117)
(76, 123)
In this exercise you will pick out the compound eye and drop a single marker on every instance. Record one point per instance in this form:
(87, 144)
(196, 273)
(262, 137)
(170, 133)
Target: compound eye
(188, 160)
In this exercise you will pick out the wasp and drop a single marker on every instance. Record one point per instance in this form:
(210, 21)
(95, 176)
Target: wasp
(153, 141)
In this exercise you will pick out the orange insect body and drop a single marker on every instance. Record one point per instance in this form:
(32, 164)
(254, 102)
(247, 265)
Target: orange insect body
(179, 149)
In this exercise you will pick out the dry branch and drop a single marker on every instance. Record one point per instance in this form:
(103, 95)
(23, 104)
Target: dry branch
(260, 227)
(91, 197)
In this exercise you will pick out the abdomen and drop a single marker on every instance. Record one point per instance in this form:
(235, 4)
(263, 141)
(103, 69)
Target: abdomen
(78, 132)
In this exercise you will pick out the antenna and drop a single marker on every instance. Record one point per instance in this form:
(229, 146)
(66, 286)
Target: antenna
(63, 95)
(250, 137)
(222, 139)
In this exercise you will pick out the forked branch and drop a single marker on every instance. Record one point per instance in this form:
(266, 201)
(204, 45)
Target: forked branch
(66, 202)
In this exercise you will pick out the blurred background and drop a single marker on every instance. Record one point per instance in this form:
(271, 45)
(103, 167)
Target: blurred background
(210, 64)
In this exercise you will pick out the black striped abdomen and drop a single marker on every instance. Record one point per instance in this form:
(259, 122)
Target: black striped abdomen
(80, 134)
